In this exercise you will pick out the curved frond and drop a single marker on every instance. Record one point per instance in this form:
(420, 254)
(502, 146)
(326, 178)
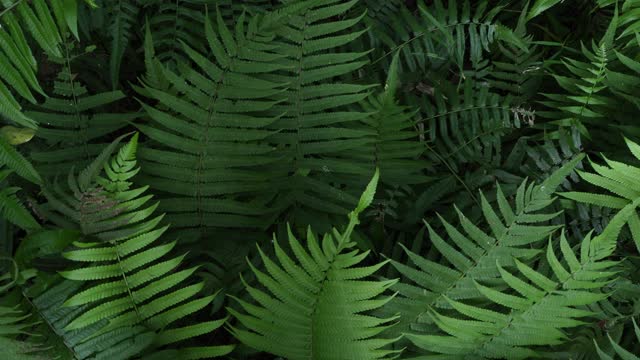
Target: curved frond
(471, 255)
(534, 308)
(44, 22)
(622, 183)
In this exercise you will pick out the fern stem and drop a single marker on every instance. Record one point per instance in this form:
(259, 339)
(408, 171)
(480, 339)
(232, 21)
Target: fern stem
(11, 7)
(478, 136)
(174, 42)
(418, 36)
(446, 163)
(126, 282)
(463, 110)
(81, 124)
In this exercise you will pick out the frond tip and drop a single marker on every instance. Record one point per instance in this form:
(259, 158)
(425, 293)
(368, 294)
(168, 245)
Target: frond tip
(315, 305)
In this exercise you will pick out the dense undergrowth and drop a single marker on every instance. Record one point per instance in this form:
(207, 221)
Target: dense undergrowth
(319, 179)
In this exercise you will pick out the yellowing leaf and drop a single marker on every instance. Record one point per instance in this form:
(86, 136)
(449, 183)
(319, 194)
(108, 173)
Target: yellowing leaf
(16, 136)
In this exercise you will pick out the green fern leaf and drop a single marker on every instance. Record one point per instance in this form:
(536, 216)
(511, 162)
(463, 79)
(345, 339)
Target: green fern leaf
(122, 17)
(315, 307)
(129, 280)
(537, 310)
(44, 21)
(73, 123)
(12, 159)
(620, 351)
(471, 254)
(209, 130)
(621, 181)
(317, 138)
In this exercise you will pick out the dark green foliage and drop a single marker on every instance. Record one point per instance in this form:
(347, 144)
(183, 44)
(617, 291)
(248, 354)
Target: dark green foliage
(72, 124)
(210, 128)
(166, 168)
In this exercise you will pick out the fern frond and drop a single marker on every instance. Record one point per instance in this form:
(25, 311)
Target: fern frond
(585, 102)
(44, 21)
(535, 309)
(395, 150)
(622, 184)
(471, 254)
(129, 280)
(23, 333)
(439, 35)
(628, 23)
(209, 129)
(620, 351)
(119, 344)
(122, 17)
(538, 159)
(73, 122)
(12, 209)
(317, 134)
(174, 23)
(517, 65)
(315, 306)
(468, 126)
(12, 159)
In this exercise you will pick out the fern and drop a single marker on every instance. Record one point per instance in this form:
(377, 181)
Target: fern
(12, 209)
(584, 103)
(13, 322)
(624, 84)
(394, 149)
(538, 159)
(468, 126)
(174, 23)
(620, 351)
(71, 123)
(473, 257)
(517, 66)
(44, 20)
(128, 283)
(118, 344)
(628, 21)
(617, 178)
(536, 316)
(441, 35)
(623, 77)
(540, 310)
(317, 134)
(264, 116)
(213, 133)
(23, 333)
(315, 309)
(16, 162)
(122, 16)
